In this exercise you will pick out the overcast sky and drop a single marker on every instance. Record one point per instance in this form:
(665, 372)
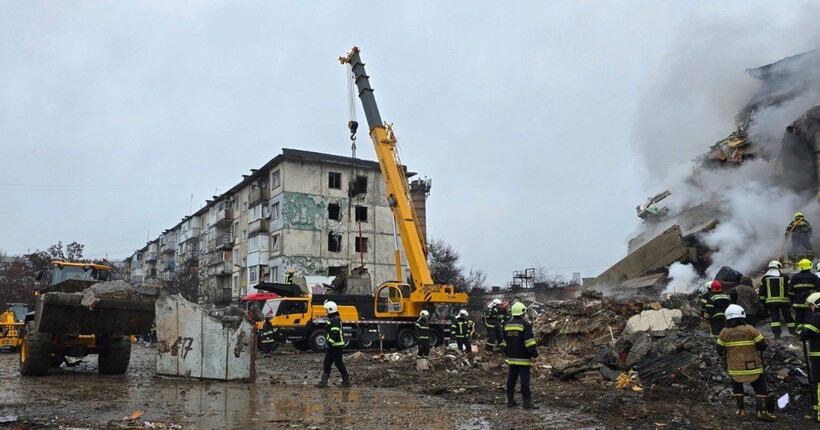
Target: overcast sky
(114, 114)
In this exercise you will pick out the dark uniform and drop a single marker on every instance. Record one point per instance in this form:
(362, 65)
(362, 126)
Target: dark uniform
(801, 285)
(810, 331)
(713, 304)
(741, 344)
(800, 230)
(289, 278)
(745, 296)
(493, 323)
(423, 337)
(462, 329)
(774, 293)
(335, 346)
(519, 346)
(267, 338)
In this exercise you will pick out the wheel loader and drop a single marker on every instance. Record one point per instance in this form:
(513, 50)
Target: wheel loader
(11, 324)
(61, 326)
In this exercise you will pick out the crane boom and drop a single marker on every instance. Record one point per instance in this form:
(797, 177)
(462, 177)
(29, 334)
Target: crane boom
(398, 195)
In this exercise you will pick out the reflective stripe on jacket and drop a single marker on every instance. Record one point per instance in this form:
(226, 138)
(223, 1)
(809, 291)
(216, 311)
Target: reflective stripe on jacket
(773, 289)
(519, 343)
(422, 328)
(335, 334)
(740, 345)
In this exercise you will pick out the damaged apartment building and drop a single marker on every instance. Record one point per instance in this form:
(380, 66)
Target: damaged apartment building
(318, 214)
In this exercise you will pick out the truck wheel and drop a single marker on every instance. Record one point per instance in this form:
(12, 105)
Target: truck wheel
(35, 352)
(318, 340)
(435, 338)
(301, 345)
(365, 344)
(405, 338)
(113, 359)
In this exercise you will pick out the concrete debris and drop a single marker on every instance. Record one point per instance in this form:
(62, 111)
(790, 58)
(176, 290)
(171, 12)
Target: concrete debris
(654, 320)
(119, 290)
(423, 365)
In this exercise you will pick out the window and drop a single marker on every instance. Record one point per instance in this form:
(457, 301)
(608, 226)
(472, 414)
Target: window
(235, 231)
(274, 242)
(361, 244)
(359, 186)
(361, 214)
(244, 206)
(275, 210)
(139, 257)
(334, 212)
(334, 180)
(336, 270)
(292, 307)
(253, 275)
(274, 274)
(244, 234)
(275, 180)
(253, 243)
(235, 281)
(257, 212)
(334, 242)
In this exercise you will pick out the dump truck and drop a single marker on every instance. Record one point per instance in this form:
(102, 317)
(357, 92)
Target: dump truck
(11, 326)
(63, 326)
(388, 315)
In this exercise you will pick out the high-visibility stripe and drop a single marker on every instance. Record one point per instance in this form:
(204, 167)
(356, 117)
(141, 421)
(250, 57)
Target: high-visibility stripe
(745, 372)
(777, 300)
(267, 340)
(513, 328)
(528, 343)
(811, 327)
(719, 314)
(818, 402)
(424, 337)
(814, 354)
(759, 338)
(738, 343)
(803, 286)
(803, 306)
(791, 325)
(519, 361)
(721, 342)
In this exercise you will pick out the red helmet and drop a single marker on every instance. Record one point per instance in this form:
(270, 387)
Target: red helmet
(716, 286)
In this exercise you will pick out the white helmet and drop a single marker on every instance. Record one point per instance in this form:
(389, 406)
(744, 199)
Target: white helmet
(331, 307)
(424, 313)
(496, 302)
(735, 311)
(463, 313)
(818, 267)
(774, 264)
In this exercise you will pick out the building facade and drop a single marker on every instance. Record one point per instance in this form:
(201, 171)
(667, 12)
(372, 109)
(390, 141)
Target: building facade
(318, 214)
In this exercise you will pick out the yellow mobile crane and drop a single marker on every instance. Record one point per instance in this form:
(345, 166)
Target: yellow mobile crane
(389, 314)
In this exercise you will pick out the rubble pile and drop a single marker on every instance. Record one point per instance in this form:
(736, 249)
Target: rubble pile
(119, 290)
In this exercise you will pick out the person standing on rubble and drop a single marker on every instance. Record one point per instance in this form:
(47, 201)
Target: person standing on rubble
(462, 329)
(492, 322)
(810, 332)
(742, 345)
(423, 334)
(800, 231)
(713, 304)
(801, 286)
(267, 338)
(745, 296)
(289, 276)
(335, 346)
(773, 292)
(519, 346)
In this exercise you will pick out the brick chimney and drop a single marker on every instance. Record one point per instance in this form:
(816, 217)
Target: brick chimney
(419, 191)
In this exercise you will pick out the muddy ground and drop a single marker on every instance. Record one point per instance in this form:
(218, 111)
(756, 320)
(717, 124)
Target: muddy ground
(387, 394)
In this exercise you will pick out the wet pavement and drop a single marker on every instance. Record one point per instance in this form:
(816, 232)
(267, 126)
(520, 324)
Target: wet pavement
(283, 396)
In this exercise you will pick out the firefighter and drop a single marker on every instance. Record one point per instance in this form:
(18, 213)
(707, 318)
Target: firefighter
(289, 276)
(810, 331)
(713, 305)
(504, 313)
(801, 285)
(519, 346)
(267, 338)
(423, 334)
(800, 231)
(773, 292)
(493, 324)
(741, 345)
(462, 329)
(335, 346)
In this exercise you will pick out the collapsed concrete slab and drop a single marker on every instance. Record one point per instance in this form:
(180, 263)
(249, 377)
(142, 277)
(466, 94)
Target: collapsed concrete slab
(654, 321)
(195, 342)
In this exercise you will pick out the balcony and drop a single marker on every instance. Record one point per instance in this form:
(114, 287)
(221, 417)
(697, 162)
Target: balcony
(190, 234)
(224, 217)
(151, 256)
(170, 247)
(224, 269)
(216, 259)
(257, 195)
(258, 226)
(222, 242)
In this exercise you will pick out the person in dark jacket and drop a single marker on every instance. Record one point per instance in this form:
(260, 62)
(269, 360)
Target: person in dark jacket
(335, 346)
(774, 293)
(810, 332)
(800, 231)
(520, 348)
(713, 303)
(801, 285)
(745, 296)
(267, 338)
(423, 334)
(742, 345)
(462, 329)
(492, 322)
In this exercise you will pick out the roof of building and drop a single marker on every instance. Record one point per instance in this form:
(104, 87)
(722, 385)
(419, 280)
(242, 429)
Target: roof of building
(805, 62)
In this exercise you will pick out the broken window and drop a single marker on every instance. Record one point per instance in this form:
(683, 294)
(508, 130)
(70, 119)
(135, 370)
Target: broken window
(361, 244)
(334, 242)
(359, 186)
(275, 180)
(275, 210)
(336, 270)
(334, 180)
(361, 214)
(334, 212)
(274, 242)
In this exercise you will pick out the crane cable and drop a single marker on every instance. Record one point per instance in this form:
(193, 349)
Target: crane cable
(353, 125)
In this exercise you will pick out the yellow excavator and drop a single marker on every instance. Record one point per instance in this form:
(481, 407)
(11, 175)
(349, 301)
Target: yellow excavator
(389, 314)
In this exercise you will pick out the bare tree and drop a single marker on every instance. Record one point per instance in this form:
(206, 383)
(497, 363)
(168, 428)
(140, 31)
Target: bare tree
(445, 268)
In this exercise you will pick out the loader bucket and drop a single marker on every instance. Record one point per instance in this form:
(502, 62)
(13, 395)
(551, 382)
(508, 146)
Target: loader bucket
(63, 313)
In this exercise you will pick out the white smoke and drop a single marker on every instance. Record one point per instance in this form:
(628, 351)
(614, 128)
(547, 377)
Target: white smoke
(683, 278)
